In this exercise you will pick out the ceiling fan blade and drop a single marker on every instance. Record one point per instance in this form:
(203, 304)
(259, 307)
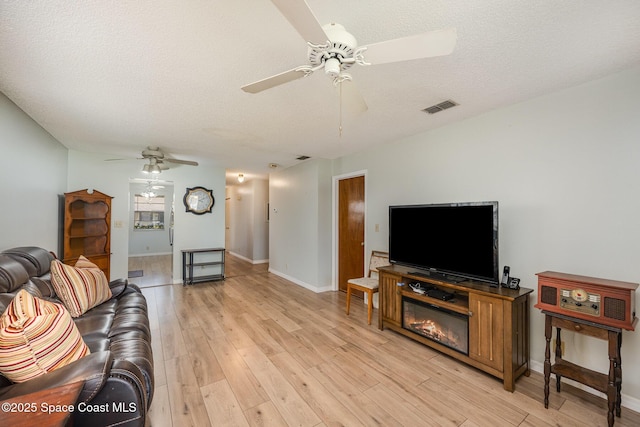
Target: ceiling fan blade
(182, 162)
(426, 45)
(351, 98)
(276, 80)
(302, 19)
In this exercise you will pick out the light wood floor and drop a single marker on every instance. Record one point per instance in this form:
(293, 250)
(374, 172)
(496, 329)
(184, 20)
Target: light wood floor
(257, 350)
(156, 270)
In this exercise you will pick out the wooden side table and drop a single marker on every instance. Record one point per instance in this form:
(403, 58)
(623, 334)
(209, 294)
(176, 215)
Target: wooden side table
(610, 383)
(26, 411)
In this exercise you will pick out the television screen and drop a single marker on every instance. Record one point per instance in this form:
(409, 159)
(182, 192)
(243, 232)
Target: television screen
(459, 239)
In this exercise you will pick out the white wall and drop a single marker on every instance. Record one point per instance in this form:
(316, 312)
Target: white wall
(197, 231)
(248, 225)
(260, 250)
(565, 169)
(33, 171)
(88, 170)
(300, 224)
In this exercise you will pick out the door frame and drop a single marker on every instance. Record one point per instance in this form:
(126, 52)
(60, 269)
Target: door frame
(334, 223)
(170, 200)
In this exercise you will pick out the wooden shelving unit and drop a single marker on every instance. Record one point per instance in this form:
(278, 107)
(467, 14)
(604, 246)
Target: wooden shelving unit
(87, 228)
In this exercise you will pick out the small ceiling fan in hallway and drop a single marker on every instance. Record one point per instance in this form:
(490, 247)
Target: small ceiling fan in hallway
(158, 161)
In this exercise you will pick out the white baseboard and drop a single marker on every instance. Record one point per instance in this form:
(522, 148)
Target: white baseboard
(301, 283)
(627, 401)
(252, 261)
(244, 258)
(151, 254)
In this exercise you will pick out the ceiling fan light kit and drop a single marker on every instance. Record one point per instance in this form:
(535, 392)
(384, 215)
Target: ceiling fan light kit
(337, 54)
(332, 67)
(152, 167)
(149, 168)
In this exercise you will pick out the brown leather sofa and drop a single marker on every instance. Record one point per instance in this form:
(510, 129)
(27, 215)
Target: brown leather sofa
(118, 374)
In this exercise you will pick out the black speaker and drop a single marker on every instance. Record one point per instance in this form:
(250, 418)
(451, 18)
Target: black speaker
(548, 295)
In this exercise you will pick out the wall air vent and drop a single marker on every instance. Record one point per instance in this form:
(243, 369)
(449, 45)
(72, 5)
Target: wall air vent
(302, 157)
(441, 106)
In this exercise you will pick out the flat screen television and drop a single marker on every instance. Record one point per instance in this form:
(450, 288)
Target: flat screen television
(458, 240)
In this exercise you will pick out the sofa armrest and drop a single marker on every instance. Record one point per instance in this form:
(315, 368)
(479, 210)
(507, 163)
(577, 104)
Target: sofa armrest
(118, 287)
(92, 369)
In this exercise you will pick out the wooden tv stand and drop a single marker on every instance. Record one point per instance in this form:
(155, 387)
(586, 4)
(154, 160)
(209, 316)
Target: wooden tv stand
(498, 320)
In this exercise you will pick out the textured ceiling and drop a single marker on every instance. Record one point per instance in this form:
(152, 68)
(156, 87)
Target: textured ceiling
(113, 77)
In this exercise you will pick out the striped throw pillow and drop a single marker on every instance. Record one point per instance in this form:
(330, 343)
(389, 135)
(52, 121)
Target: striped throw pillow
(79, 287)
(36, 337)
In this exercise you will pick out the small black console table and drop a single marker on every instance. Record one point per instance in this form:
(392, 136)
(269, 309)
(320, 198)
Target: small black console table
(189, 262)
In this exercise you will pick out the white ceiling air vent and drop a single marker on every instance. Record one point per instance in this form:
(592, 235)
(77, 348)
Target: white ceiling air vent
(441, 106)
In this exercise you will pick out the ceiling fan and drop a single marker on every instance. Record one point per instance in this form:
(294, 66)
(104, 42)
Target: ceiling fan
(332, 48)
(158, 161)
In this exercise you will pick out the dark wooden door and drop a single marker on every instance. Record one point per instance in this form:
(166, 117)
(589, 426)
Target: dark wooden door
(350, 230)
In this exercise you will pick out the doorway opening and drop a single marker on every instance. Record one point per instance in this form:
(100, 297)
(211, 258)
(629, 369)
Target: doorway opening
(151, 208)
(247, 219)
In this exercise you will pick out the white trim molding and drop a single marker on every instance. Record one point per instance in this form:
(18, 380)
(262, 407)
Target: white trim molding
(305, 285)
(252, 261)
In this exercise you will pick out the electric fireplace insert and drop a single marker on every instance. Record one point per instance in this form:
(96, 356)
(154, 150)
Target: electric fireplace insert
(436, 323)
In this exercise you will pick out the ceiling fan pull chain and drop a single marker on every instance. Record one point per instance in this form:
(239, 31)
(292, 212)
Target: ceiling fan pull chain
(338, 80)
(340, 125)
